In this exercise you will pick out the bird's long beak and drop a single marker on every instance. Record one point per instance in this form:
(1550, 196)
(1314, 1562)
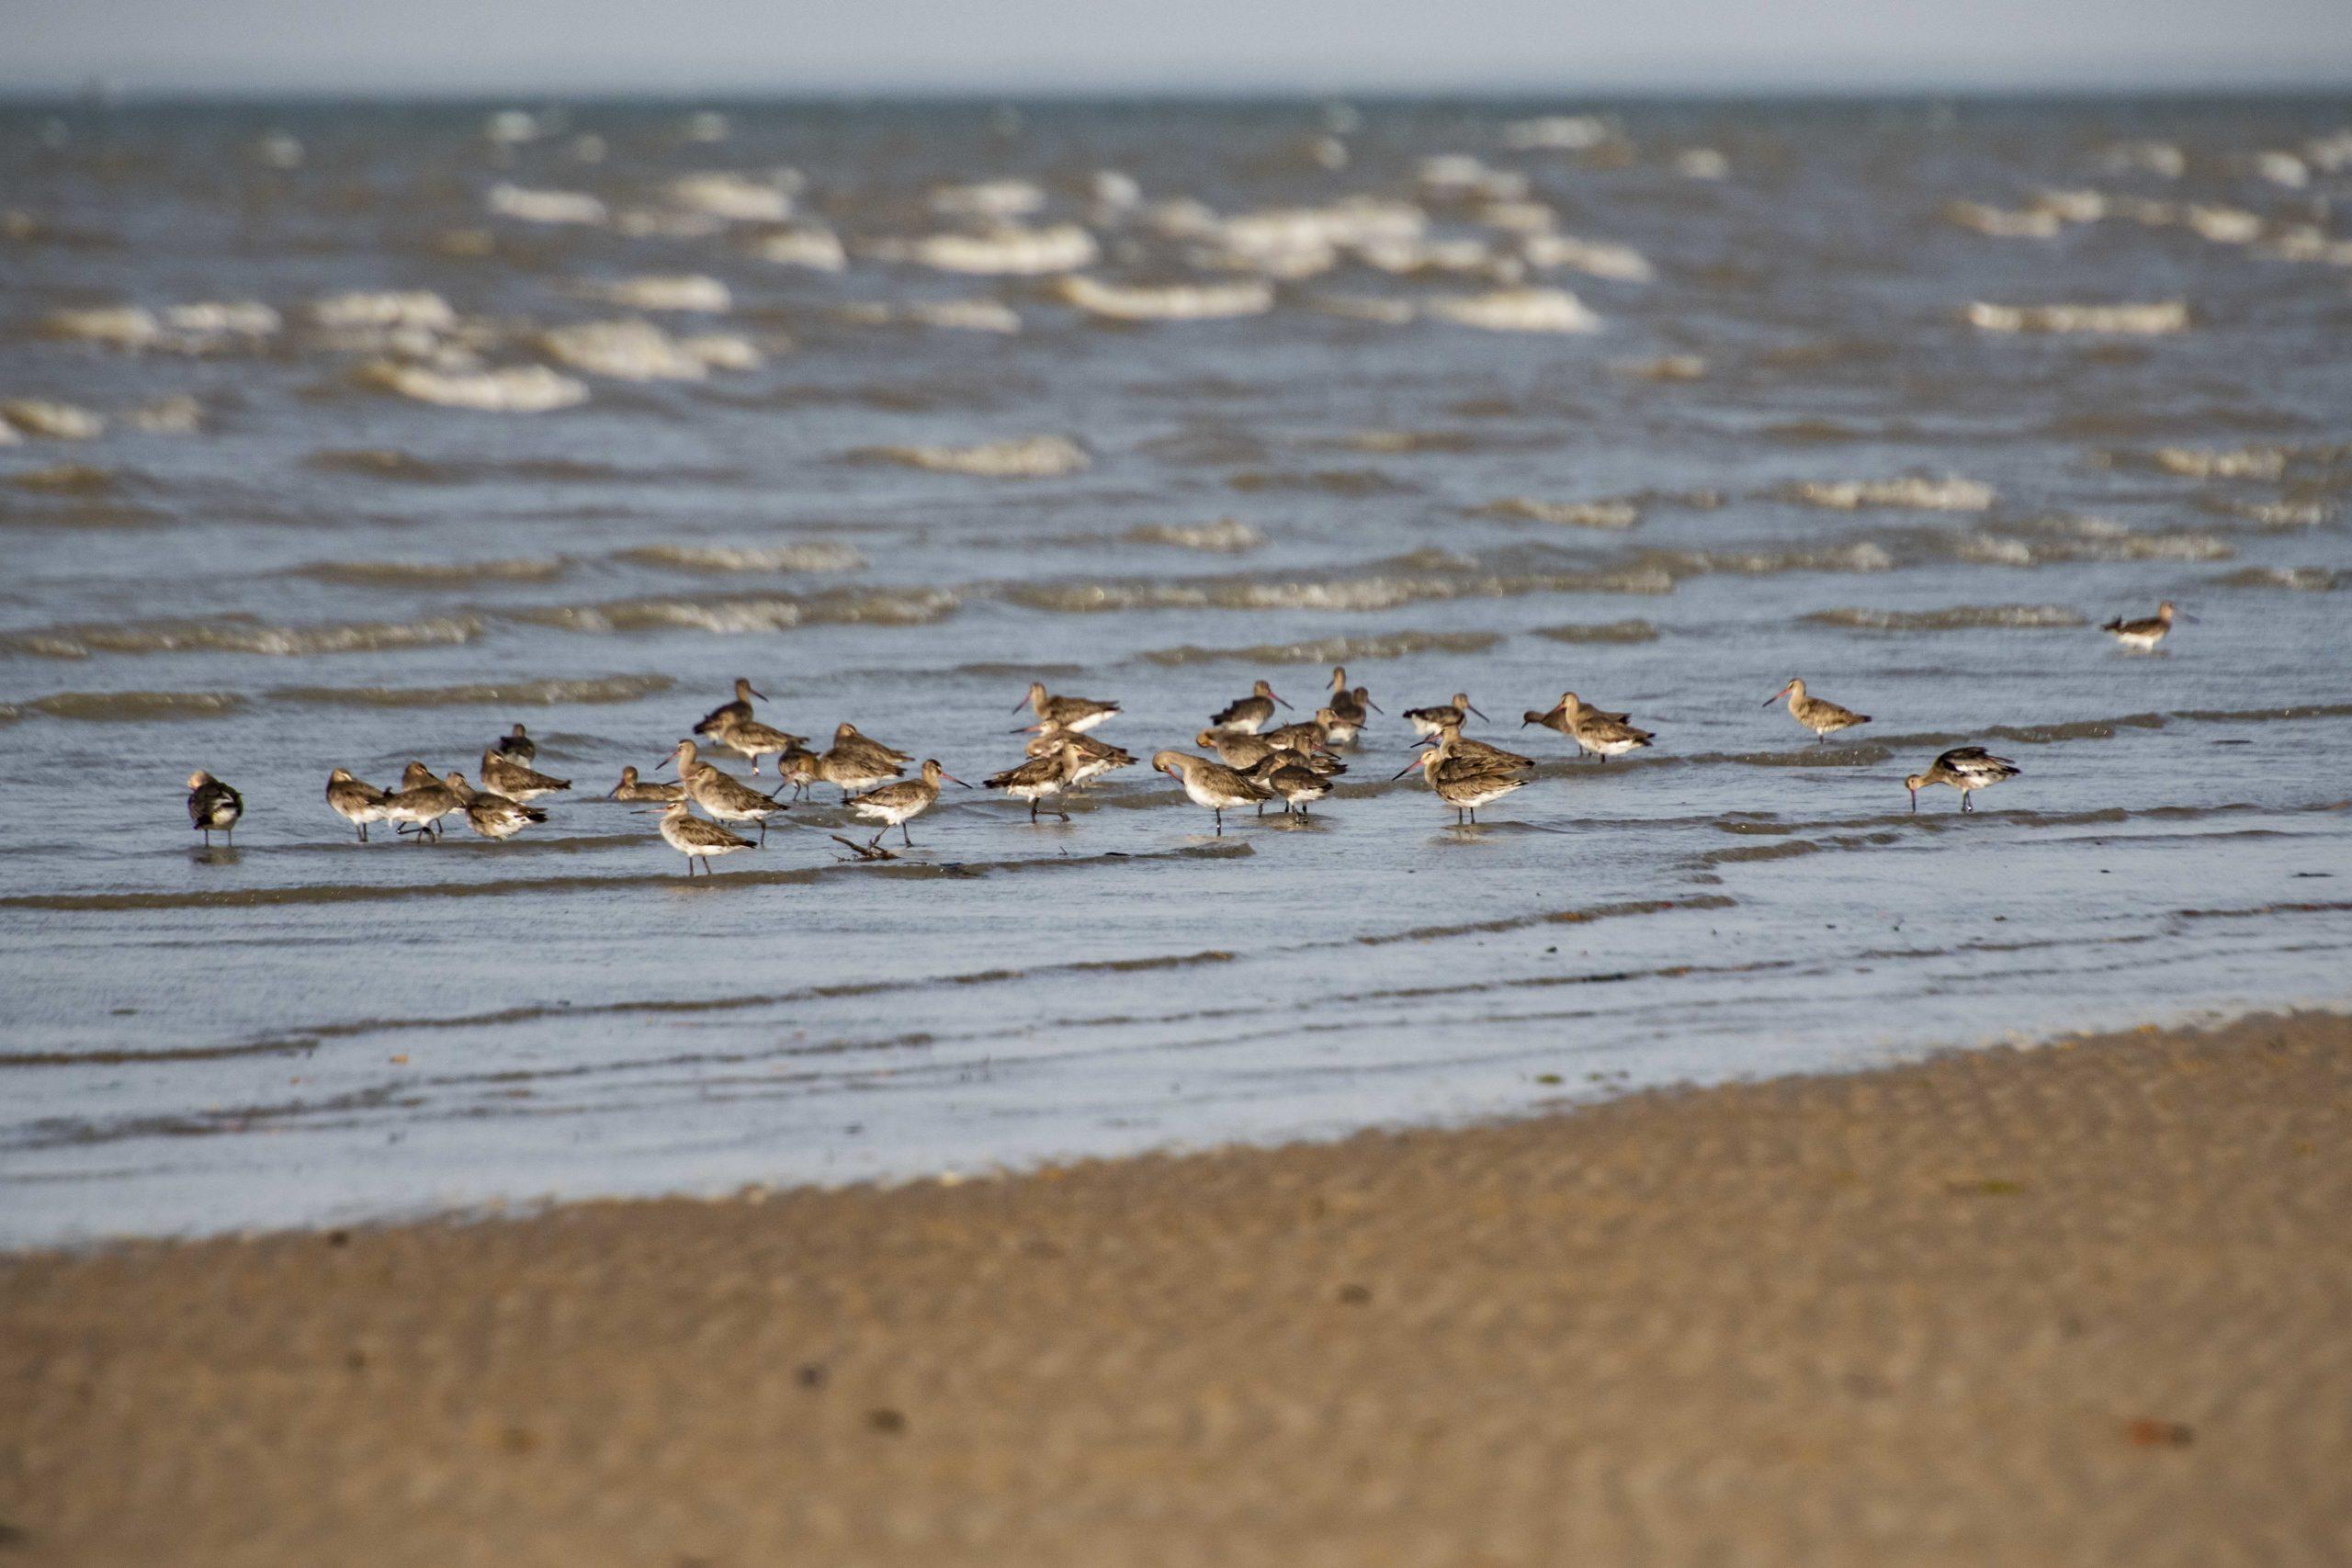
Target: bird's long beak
(1373, 706)
(1019, 706)
(1474, 708)
(757, 693)
(1279, 700)
(1408, 768)
(1037, 728)
(1776, 696)
(951, 778)
(2194, 620)
(614, 793)
(1915, 803)
(665, 762)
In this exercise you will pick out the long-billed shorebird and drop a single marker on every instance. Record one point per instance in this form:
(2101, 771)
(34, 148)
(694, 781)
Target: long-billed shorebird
(418, 806)
(1077, 715)
(859, 761)
(2143, 634)
(1208, 784)
(1479, 752)
(1819, 715)
(1247, 715)
(1430, 720)
(490, 814)
(894, 805)
(801, 767)
(1039, 779)
(1465, 783)
(727, 798)
(726, 714)
(1336, 728)
(750, 738)
(1967, 769)
(1603, 734)
(354, 800)
(515, 781)
(518, 744)
(1089, 759)
(1298, 786)
(629, 788)
(695, 838)
(213, 807)
(1350, 705)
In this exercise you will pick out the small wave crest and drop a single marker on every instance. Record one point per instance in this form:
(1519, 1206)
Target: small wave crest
(136, 707)
(1025, 457)
(241, 634)
(1909, 493)
(431, 574)
(814, 556)
(2301, 578)
(486, 693)
(1227, 535)
(1329, 649)
(1601, 632)
(1168, 302)
(1613, 514)
(2148, 318)
(1957, 618)
(889, 607)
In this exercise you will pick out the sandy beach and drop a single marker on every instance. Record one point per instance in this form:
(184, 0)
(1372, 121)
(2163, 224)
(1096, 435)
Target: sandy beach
(2084, 1303)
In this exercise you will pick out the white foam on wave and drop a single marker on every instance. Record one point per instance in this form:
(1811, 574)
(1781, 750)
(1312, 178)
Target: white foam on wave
(1023, 457)
(1664, 367)
(2282, 169)
(988, 198)
(58, 422)
(513, 389)
(1293, 241)
(1167, 302)
(673, 291)
(1227, 535)
(1460, 174)
(633, 350)
(1517, 310)
(1519, 217)
(734, 197)
(820, 250)
(1702, 164)
(1613, 514)
(2224, 225)
(976, 315)
(2143, 319)
(545, 206)
(2159, 158)
(814, 556)
(2308, 243)
(2029, 223)
(1556, 132)
(1596, 258)
(1405, 257)
(418, 308)
(178, 414)
(198, 327)
(1909, 493)
(1005, 250)
(2223, 463)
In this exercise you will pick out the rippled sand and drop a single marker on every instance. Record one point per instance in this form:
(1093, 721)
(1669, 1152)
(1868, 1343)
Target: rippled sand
(2087, 1304)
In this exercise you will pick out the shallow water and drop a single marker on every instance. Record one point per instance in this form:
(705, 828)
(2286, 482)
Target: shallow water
(1160, 451)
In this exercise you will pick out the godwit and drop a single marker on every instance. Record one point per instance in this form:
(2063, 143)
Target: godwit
(1465, 783)
(1430, 720)
(517, 781)
(418, 806)
(1967, 769)
(2144, 633)
(629, 789)
(1346, 706)
(1477, 752)
(800, 767)
(514, 743)
(726, 714)
(356, 802)
(1305, 736)
(1089, 759)
(1040, 778)
(1819, 715)
(1603, 734)
(1208, 784)
(1237, 748)
(695, 838)
(492, 815)
(857, 764)
(1297, 785)
(894, 805)
(1247, 715)
(727, 799)
(1077, 715)
(1336, 728)
(750, 738)
(212, 805)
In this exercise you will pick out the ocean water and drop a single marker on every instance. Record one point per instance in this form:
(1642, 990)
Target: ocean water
(348, 434)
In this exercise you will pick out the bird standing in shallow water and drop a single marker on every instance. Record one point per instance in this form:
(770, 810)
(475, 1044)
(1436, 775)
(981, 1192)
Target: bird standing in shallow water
(2143, 634)
(213, 807)
(514, 743)
(1208, 784)
(1247, 715)
(501, 775)
(354, 800)
(1431, 719)
(1967, 769)
(418, 806)
(492, 815)
(726, 714)
(1819, 715)
(1040, 778)
(630, 789)
(695, 838)
(1605, 735)
(1077, 715)
(1280, 774)
(894, 805)
(1465, 783)
(750, 738)
(726, 797)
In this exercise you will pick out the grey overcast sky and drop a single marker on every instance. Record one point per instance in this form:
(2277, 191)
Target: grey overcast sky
(688, 47)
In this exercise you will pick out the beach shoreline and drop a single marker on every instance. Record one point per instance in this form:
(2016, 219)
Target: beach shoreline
(2067, 1304)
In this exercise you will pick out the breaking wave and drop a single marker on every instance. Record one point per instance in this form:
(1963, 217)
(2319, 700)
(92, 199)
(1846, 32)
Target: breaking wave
(1028, 457)
(242, 633)
(817, 556)
(136, 707)
(1601, 631)
(889, 607)
(1958, 618)
(1329, 649)
(488, 693)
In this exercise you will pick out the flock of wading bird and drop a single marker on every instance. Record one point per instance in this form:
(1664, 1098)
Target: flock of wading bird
(1253, 766)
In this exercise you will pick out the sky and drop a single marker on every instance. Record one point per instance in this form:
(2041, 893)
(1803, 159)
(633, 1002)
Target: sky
(689, 47)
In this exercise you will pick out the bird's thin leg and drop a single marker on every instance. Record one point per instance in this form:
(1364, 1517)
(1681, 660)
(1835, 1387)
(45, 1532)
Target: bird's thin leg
(904, 837)
(1218, 812)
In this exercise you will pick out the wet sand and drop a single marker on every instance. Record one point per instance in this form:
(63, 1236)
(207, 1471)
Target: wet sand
(2087, 1304)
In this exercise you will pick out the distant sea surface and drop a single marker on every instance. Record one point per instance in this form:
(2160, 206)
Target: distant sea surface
(348, 434)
